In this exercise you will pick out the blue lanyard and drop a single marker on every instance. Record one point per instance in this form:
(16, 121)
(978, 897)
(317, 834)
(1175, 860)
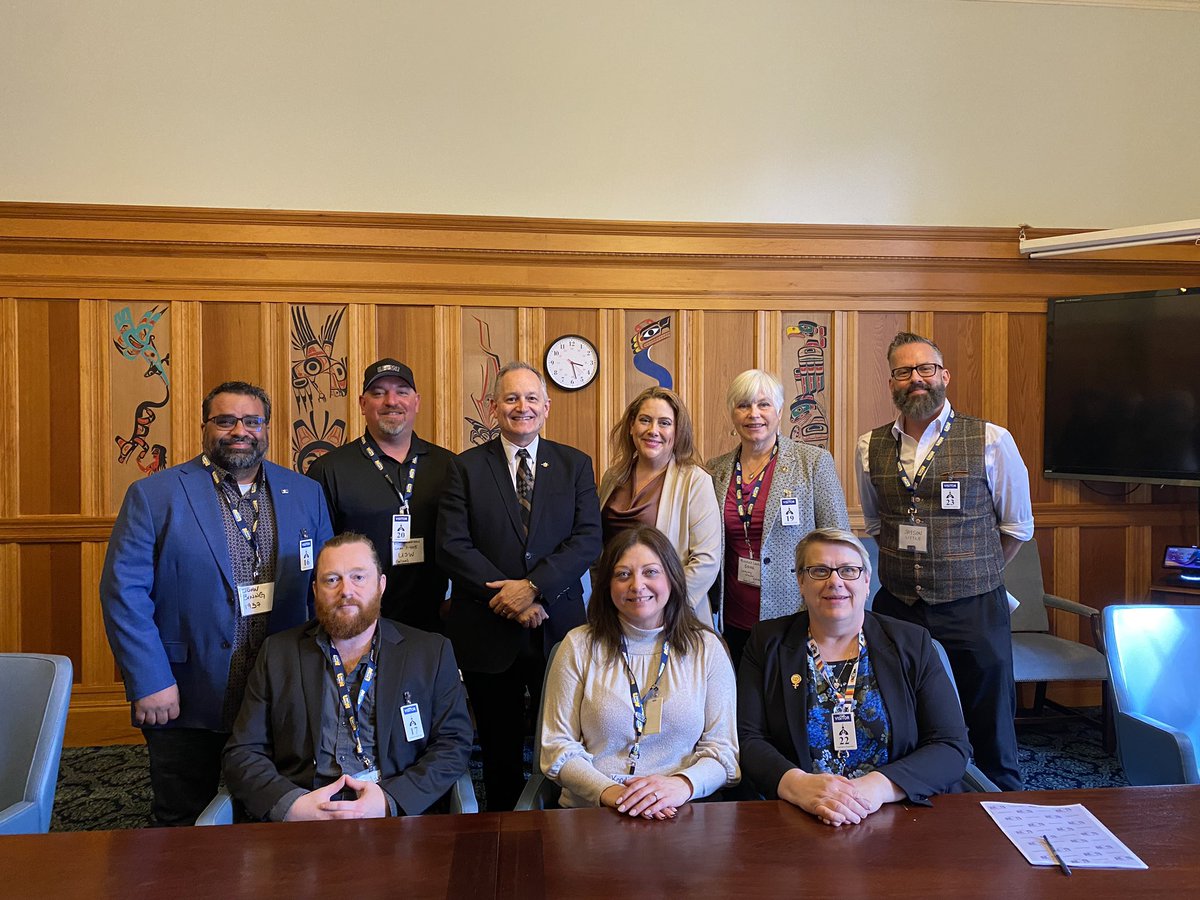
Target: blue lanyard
(343, 687)
(371, 452)
(911, 484)
(639, 708)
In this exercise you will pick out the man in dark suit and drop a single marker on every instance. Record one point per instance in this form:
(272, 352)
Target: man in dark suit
(206, 559)
(351, 715)
(519, 525)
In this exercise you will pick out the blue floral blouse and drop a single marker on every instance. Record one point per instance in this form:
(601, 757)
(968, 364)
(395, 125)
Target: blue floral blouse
(870, 716)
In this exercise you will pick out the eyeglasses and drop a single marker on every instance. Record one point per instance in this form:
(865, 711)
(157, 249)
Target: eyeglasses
(925, 370)
(822, 573)
(226, 423)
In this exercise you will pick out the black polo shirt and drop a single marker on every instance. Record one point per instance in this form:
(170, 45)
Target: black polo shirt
(361, 500)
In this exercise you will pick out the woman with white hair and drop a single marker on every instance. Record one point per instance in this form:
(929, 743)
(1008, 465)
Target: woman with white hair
(771, 491)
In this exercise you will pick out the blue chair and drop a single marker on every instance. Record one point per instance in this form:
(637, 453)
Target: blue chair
(539, 791)
(1154, 662)
(873, 554)
(38, 691)
(220, 809)
(974, 777)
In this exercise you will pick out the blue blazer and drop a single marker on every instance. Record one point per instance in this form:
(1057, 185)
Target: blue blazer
(481, 539)
(168, 593)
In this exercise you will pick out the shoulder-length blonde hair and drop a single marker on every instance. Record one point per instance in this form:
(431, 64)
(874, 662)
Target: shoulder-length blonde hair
(624, 452)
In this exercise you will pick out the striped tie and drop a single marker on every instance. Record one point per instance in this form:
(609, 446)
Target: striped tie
(524, 486)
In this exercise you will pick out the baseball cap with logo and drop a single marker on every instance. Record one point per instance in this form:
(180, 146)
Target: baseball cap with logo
(385, 367)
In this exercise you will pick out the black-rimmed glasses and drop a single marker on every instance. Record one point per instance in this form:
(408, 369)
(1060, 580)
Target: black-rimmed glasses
(925, 370)
(226, 422)
(822, 573)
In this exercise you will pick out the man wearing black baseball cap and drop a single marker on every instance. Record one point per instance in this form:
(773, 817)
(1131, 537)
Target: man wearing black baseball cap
(386, 485)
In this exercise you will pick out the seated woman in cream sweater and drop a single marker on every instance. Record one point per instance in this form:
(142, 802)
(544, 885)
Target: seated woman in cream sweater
(639, 712)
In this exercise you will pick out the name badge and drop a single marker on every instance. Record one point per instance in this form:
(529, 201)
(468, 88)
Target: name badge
(844, 736)
(254, 599)
(789, 511)
(408, 552)
(370, 774)
(653, 707)
(750, 571)
(306, 555)
(413, 729)
(951, 499)
(401, 528)
(914, 537)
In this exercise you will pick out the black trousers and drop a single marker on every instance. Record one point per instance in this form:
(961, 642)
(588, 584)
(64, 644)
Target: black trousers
(498, 701)
(735, 640)
(978, 639)
(185, 771)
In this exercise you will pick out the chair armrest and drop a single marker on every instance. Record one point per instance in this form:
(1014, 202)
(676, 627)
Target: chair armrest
(20, 818)
(539, 793)
(1063, 603)
(462, 795)
(219, 810)
(1153, 752)
(978, 782)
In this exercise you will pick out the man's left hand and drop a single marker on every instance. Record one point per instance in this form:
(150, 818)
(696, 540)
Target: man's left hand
(513, 597)
(533, 617)
(370, 802)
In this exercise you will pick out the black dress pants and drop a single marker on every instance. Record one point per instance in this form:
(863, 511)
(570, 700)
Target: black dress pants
(185, 771)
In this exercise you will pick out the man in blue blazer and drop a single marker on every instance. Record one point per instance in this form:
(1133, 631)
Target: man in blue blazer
(519, 525)
(206, 559)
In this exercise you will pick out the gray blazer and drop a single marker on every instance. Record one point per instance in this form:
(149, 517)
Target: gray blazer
(801, 471)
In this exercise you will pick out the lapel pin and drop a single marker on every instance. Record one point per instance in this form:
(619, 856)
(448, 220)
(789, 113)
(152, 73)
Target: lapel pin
(283, 490)
(795, 682)
(545, 465)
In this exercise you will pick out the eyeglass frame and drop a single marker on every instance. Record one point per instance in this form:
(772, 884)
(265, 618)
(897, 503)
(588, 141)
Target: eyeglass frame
(807, 570)
(937, 367)
(232, 425)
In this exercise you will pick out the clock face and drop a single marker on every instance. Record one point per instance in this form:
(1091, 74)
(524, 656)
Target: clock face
(572, 362)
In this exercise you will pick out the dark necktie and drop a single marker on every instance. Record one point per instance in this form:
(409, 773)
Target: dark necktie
(524, 486)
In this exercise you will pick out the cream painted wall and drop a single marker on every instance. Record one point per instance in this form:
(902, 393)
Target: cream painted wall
(936, 112)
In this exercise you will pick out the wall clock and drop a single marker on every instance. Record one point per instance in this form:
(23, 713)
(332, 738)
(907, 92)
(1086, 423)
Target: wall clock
(572, 362)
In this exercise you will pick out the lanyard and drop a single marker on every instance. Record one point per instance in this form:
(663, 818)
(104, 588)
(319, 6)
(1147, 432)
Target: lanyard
(248, 531)
(639, 709)
(372, 452)
(745, 508)
(911, 484)
(343, 686)
(843, 697)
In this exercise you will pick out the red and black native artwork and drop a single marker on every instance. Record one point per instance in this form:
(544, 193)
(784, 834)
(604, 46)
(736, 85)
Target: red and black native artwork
(135, 341)
(317, 375)
(810, 425)
(484, 428)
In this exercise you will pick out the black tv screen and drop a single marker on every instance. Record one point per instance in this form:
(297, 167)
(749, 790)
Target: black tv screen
(1123, 387)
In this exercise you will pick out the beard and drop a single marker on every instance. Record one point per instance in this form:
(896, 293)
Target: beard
(222, 453)
(919, 406)
(389, 427)
(341, 627)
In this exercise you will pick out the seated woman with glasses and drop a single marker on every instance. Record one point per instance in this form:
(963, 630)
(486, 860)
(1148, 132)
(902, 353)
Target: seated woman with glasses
(639, 708)
(841, 710)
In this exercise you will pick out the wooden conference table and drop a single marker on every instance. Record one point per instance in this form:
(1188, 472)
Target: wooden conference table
(756, 849)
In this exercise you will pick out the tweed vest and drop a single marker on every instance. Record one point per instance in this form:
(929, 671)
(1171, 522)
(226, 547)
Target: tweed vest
(964, 558)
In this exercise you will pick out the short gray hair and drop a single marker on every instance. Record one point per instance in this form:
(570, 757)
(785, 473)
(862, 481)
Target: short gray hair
(831, 536)
(904, 338)
(749, 384)
(517, 366)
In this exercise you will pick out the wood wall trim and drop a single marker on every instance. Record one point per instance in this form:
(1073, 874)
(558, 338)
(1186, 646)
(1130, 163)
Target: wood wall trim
(56, 529)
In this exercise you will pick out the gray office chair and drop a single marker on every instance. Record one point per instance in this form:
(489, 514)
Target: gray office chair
(1041, 657)
(220, 809)
(539, 791)
(974, 777)
(873, 553)
(32, 722)
(1154, 656)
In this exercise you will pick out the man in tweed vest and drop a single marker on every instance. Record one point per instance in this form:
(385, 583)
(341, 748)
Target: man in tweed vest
(947, 497)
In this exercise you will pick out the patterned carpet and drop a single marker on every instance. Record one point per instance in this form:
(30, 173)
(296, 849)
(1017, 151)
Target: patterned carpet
(102, 788)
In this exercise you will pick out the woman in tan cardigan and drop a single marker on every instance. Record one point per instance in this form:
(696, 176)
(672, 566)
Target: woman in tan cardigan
(657, 479)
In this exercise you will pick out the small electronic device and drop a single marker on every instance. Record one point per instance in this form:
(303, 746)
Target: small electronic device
(1185, 559)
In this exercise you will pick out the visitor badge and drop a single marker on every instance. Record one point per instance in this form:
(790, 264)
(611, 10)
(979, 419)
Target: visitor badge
(306, 555)
(789, 511)
(254, 599)
(411, 714)
(749, 571)
(370, 773)
(401, 528)
(842, 726)
(407, 553)
(951, 498)
(653, 707)
(914, 537)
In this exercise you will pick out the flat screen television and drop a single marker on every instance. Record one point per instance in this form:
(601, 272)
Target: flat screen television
(1123, 387)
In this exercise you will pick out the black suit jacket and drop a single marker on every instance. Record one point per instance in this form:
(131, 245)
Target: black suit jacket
(928, 751)
(273, 747)
(481, 539)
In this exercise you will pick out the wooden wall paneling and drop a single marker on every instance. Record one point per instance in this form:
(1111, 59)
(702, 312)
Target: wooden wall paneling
(362, 339)
(48, 459)
(1140, 564)
(274, 330)
(995, 368)
(315, 402)
(50, 599)
(188, 378)
(531, 340)
(575, 415)
(448, 338)
(873, 332)
(612, 377)
(94, 442)
(10, 425)
(234, 347)
(1102, 565)
(960, 336)
(490, 339)
(844, 407)
(10, 599)
(767, 323)
(96, 662)
(1065, 577)
(409, 334)
(653, 360)
(1025, 366)
(729, 345)
(684, 321)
